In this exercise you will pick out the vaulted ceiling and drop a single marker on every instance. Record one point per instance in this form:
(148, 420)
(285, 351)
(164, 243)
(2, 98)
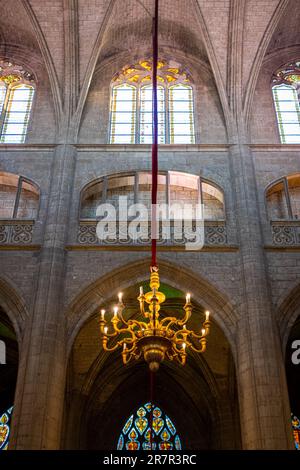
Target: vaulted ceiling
(73, 37)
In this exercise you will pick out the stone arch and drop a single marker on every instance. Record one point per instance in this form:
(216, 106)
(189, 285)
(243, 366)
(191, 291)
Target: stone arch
(287, 313)
(97, 381)
(14, 307)
(101, 290)
(259, 58)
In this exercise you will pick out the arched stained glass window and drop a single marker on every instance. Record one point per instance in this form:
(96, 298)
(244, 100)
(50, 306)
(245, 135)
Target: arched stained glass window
(16, 96)
(146, 119)
(123, 114)
(136, 433)
(286, 91)
(131, 104)
(181, 112)
(5, 421)
(296, 431)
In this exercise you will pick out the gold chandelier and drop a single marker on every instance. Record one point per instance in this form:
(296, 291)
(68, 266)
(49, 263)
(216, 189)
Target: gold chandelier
(154, 338)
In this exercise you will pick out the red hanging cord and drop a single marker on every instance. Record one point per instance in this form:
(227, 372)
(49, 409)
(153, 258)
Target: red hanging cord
(154, 181)
(155, 137)
(152, 407)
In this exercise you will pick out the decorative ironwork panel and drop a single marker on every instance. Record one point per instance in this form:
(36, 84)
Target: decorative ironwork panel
(286, 233)
(16, 232)
(215, 234)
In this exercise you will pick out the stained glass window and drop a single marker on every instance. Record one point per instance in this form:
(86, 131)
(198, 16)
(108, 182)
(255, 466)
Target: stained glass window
(296, 431)
(288, 113)
(136, 433)
(131, 104)
(181, 114)
(146, 114)
(5, 422)
(123, 114)
(16, 96)
(286, 86)
(17, 113)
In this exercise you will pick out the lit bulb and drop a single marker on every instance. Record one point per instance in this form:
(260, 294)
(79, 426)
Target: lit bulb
(102, 314)
(207, 315)
(188, 298)
(115, 312)
(120, 295)
(141, 290)
(203, 331)
(184, 327)
(183, 346)
(105, 330)
(124, 347)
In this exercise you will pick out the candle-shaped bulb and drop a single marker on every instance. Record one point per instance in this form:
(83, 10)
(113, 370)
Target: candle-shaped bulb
(184, 327)
(124, 347)
(188, 298)
(105, 330)
(207, 315)
(141, 290)
(203, 331)
(115, 311)
(102, 314)
(120, 295)
(184, 346)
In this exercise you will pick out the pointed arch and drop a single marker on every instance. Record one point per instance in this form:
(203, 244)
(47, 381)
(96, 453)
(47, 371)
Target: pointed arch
(14, 306)
(85, 304)
(258, 61)
(48, 61)
(92, 65)
(287, 313)
(215, 68)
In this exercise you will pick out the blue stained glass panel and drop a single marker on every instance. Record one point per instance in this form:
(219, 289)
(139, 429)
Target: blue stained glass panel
(136, 433)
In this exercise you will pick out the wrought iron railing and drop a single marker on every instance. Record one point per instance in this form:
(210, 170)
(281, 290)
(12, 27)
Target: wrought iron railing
(16, 231)
(285, 232)
(214, 233)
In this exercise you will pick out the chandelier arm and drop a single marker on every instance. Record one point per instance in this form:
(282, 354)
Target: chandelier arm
(112, 348)
(111, 335)
(120, 313)
(126, 357)
(181, 358)
(187, 315)
(202, 346)
(129, 350)
(141, 324)
(126, 330)
(168, 319)
(195, 336)
(179, 351)
(182, 335)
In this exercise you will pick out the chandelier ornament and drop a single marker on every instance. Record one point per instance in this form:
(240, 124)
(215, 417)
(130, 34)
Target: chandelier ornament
(155, 337)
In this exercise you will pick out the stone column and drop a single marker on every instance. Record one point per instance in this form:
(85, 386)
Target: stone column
(73, 421)
(40, 389)
(263, 396)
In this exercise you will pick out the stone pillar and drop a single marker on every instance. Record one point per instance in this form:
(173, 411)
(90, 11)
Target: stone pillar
(73, 421)
(40, 389)
(263, 396)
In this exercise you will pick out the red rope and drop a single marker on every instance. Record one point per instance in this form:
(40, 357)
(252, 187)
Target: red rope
(155, 136)
(154, 182)
(152, 406)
